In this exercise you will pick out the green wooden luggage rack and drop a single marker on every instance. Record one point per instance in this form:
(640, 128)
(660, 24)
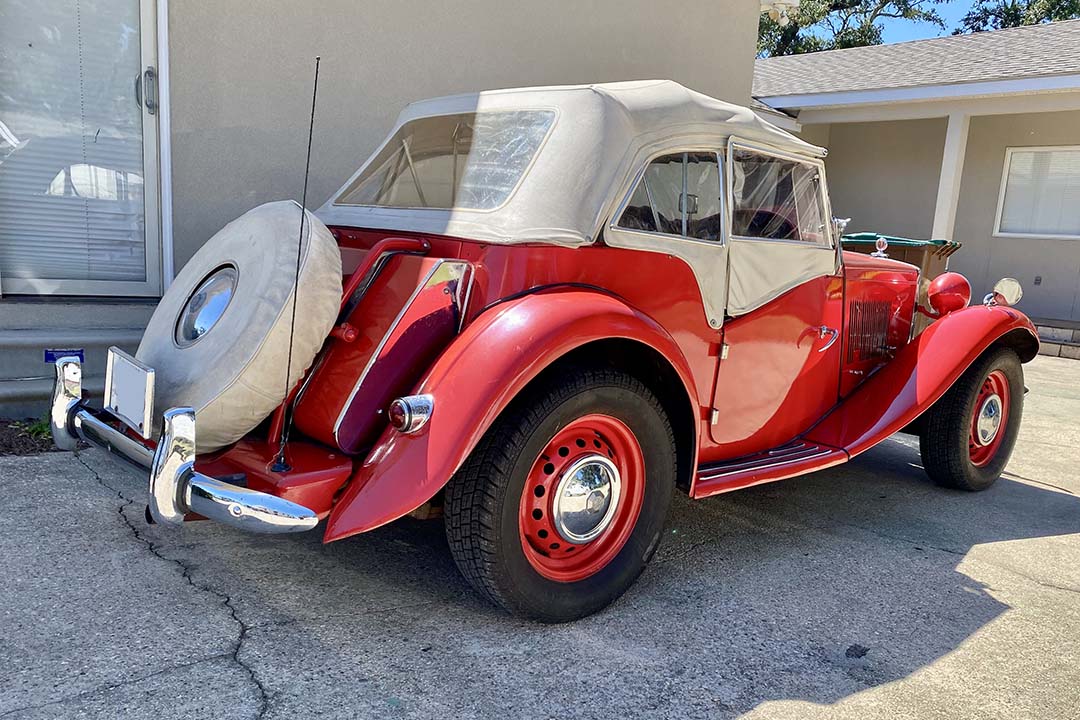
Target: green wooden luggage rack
(865, 242)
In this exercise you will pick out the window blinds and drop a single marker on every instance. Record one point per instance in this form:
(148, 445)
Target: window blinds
(1042, 192)
(71, 177)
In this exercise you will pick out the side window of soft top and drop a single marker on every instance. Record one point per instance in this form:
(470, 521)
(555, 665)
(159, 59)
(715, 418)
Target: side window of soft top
(776, 198)
(678, 194)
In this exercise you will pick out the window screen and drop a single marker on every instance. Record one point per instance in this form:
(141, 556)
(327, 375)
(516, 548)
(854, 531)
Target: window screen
(678, 194)
(469, 160)
(776, 199)
(1042, 192)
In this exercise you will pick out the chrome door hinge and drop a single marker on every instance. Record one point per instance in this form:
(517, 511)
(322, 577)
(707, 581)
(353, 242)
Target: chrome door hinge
(724, 347)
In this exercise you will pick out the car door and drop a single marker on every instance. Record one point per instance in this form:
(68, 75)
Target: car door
(779, 369)
(675, 205)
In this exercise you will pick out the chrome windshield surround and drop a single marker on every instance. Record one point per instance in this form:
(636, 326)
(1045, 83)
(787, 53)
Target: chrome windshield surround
(175, 487)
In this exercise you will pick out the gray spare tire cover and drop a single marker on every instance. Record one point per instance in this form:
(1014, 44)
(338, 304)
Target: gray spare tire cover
(234, 374)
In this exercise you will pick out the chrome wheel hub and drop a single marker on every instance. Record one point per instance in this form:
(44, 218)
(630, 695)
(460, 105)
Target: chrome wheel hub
(988, 421)
(586, 499)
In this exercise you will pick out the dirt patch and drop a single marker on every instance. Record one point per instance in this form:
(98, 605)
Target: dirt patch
(24, 437)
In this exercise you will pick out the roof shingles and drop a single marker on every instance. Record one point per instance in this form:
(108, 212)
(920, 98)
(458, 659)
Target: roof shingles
(1031, 51)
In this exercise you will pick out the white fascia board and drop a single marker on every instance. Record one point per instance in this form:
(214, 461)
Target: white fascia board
(780, 120)
(1050, 83)
(1001, 105)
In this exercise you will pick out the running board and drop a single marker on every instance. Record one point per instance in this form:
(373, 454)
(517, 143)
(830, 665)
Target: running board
(796, 458)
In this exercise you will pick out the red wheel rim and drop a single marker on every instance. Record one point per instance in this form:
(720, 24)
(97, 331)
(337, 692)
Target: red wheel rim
(558, 500)
(988, 419)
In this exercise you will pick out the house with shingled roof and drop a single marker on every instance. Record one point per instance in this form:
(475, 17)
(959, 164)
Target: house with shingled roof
(974, 138)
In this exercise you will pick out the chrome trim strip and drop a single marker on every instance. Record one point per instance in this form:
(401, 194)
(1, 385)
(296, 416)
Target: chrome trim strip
(463, 306)
(464, 266)
(365, 284)
(780, 456)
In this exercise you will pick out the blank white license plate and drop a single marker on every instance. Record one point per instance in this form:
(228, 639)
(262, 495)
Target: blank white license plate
(129, 391)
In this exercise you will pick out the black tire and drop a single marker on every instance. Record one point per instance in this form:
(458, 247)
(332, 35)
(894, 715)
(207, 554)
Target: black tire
(944, 444)
(482, 499)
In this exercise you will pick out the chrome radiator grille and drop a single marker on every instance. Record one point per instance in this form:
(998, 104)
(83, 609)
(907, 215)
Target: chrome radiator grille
(868, 328)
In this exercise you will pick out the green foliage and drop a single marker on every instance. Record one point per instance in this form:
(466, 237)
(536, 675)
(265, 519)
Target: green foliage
(997, 14)
(833, 24)
(38, 429)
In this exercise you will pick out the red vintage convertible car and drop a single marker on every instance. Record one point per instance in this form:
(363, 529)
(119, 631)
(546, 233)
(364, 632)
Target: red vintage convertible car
(541, 312)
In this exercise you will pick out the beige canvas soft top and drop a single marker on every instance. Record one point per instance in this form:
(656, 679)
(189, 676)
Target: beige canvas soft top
(600, 135)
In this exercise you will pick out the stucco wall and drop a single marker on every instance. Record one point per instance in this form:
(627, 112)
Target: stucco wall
(241, 78)
(883, 175)
(984, 258)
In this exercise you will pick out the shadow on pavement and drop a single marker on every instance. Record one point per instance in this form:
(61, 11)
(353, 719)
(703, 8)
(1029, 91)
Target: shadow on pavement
(811, 589)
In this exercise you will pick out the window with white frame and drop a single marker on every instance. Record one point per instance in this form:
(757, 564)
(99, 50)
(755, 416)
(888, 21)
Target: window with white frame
(1040, 192)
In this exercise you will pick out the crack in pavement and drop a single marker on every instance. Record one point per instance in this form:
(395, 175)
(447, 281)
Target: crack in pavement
(265, 696)
(109, 687)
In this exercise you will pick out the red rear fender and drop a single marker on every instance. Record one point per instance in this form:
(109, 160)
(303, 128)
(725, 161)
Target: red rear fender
(920, 373)
(472, 382)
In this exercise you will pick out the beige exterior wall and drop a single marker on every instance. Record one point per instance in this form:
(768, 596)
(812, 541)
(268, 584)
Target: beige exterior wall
(1054, 264)
(883, 175)
(241, 79)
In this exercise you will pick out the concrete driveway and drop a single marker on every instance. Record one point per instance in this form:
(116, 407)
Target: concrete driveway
(860, 592)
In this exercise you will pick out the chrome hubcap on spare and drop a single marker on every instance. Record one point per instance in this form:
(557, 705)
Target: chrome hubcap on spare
(206, 305)
(989, 420)
(586, 498)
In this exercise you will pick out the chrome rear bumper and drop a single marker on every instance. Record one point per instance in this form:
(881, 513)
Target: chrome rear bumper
(176, 488)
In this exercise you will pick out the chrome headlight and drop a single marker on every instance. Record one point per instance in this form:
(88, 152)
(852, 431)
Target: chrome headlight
(206, 305)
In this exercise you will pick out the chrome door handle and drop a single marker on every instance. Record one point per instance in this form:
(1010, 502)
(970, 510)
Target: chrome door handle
(150, 91)
(826, 330)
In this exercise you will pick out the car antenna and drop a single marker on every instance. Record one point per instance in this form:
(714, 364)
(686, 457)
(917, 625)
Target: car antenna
(279, 463)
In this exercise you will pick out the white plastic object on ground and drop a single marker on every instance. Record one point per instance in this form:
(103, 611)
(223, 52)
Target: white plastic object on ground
(234, 374)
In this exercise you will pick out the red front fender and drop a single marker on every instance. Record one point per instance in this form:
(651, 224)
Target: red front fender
(472, 382)
(920, 373)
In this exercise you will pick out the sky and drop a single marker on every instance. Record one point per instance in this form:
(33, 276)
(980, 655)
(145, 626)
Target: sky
(903, 30)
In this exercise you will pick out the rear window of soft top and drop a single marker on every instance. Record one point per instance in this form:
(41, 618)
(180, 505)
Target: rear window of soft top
(471, 161)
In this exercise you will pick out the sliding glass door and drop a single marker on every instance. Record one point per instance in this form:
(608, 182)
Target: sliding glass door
(78, 148)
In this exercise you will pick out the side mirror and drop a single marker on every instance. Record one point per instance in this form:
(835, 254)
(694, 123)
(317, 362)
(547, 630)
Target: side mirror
(1007, 292)
(688, 203)
(839, 226)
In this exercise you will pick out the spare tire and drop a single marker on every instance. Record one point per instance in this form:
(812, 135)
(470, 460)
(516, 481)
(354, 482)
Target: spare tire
(219, 339)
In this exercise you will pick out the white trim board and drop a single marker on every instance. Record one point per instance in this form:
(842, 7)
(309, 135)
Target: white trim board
(164, 147)
(780, 120)
(1049, 83)
(1004, 105)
